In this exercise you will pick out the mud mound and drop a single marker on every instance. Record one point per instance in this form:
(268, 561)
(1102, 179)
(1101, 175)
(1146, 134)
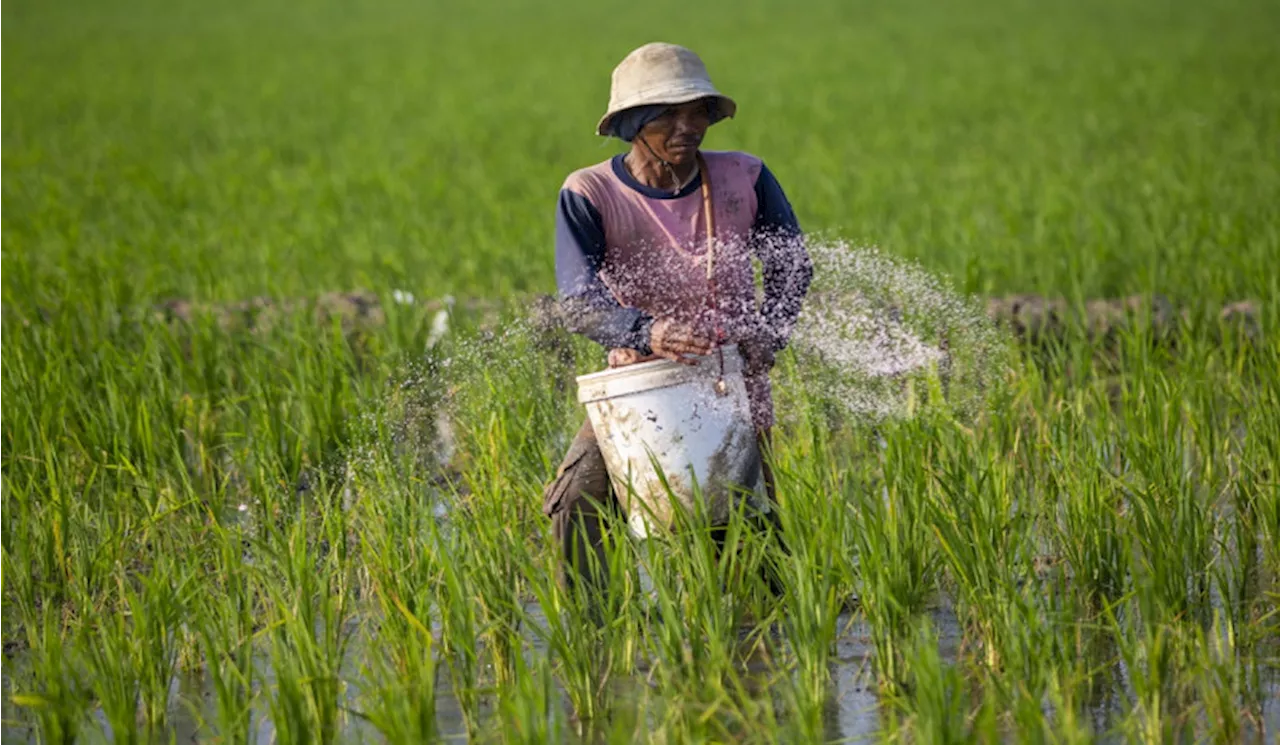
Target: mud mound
(1037, 318)
(1032, 318)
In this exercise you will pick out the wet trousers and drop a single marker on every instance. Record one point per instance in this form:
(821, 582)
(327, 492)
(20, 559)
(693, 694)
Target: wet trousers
(580, 495)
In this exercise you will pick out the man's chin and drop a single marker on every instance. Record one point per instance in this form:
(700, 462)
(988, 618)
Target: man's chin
(682, 156)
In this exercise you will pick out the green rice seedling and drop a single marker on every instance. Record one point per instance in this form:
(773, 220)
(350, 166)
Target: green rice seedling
(1089, 524)
(490, 548)
(1231, 713)
(1238, 570)
(1049, 653)
(1172, 525)
(490, 552)
(935, 702)
(400, 555)
(224, 620)
(980, 526)
(57, 535)
(493, 548)
(307, 629)
(1258, 463)
(634, 721)
(156, 609)
(134, 649)
(513, 393)
(702, 595)
(116, 680)
(896, 551)
(691, 617)
(1064, 725)
(1239, 576)
(694, 593)
(501, 392)
(592, 629)
(57, 693)
(527, 705)
(735, 710)
(813, 609)
(816, 573)
(1026, 619)
(398, 684)
(460, 629)
(1156, 659)
(1213, 415)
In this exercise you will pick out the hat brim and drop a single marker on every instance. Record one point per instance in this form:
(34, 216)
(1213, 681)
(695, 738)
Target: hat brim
(725, 108)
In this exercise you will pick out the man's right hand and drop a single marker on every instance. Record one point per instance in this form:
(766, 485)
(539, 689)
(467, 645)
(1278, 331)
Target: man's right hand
(673, 339)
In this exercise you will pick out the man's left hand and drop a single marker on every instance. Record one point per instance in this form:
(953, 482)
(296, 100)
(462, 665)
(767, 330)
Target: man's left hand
(759, 350)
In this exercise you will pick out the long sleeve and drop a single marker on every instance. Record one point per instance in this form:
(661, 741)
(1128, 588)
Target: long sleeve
(588, 306)
(785, 264)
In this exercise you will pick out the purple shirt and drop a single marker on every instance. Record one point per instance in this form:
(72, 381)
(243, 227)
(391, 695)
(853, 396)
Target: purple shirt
(627, 253)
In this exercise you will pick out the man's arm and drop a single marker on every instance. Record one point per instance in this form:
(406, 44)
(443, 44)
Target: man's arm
(588, 306)
(786, 267)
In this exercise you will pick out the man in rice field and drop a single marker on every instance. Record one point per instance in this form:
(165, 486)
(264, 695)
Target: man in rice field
(631, 251)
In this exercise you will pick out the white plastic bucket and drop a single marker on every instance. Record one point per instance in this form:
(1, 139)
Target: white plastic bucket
(671, 415)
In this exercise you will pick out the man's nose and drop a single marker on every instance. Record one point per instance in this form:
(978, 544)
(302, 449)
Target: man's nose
(686, 124)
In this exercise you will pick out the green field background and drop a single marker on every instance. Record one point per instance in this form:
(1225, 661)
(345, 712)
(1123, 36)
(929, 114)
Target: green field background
(215, 502)
(222, 150)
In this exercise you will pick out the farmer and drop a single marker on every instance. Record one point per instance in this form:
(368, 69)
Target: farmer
(631, 253)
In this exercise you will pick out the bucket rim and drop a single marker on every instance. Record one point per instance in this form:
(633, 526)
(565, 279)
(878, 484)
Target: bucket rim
(626, 371)
(662, 373)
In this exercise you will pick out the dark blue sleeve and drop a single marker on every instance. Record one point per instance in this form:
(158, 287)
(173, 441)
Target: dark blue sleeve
(785, 264)
(588, 306)
(773, 212)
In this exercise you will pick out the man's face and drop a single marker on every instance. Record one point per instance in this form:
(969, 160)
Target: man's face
(676, 135)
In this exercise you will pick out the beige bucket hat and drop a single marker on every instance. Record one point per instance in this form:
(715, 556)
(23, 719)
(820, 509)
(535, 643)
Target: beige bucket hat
(659, 73)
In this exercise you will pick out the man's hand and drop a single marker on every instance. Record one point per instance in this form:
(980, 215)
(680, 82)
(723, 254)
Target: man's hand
(673, 339)
(759, 350)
